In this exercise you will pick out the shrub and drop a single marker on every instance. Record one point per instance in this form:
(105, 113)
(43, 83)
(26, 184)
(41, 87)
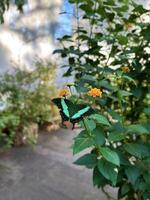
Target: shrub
(26, 96)
(8, 127)
(113, 56)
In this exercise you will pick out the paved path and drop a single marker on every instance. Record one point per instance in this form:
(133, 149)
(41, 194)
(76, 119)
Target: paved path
(46, 172)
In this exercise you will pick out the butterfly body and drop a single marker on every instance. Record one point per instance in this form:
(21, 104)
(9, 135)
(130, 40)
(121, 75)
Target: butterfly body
(72, 112)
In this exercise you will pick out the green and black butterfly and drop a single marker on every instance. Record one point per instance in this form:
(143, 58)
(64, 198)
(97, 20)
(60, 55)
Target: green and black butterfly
(72, 112)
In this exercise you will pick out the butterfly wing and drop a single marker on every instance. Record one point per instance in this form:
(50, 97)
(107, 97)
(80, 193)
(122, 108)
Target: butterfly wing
(63, 107)
(81, 112)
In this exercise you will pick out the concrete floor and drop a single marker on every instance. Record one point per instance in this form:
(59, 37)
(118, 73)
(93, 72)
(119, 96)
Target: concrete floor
(46, 172)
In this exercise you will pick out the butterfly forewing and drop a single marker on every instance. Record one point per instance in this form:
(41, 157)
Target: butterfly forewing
(61, 104)
(65, 108)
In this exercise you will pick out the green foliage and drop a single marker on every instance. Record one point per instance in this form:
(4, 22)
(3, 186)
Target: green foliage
(8, 126)
(26, 96)
(4, 5)
(109, 50)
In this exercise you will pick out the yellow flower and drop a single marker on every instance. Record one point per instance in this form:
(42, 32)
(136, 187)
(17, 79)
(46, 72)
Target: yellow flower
(95, 92)
(63, 93)
(125, 69)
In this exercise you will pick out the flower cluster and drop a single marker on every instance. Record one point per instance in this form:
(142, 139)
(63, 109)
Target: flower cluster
(64, 93)
(95, 92)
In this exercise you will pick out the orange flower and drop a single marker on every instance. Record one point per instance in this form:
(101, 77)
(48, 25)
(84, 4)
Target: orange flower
(95, 92)
(63, 93)
(125, 69)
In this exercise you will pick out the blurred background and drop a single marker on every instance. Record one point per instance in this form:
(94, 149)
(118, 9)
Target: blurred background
(27, 37)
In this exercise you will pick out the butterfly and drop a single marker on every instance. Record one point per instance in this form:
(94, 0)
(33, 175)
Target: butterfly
(72, 112)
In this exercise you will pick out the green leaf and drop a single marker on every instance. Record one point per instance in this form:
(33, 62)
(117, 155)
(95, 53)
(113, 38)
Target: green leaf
(98, 178)
(123, 158)
(82, 141)
(110, 155)
(107, 85)
(66, 38)
(137, 128)
(115, 136)
(90, 124)
(114, 114)
(123, 93)
(58, 51)
(146, 195)
(98, 136)
(100, 119)
(122, 39)
(129, 79)
(138, 150)
(87, 160)
(117, 132)
(89, 78)
(125, 189)
(132, 173)
(108, 171)
(137, 92)
(147, 111)
(146, 177)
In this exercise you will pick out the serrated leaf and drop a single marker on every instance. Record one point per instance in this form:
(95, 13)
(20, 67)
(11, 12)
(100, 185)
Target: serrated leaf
(82, 142)
(98, 178)
(115, 136)
(137, 128)
(98, 136)
(100, 119)
(138, 150)
(110, 155)
(90, 124)
(108, 171)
